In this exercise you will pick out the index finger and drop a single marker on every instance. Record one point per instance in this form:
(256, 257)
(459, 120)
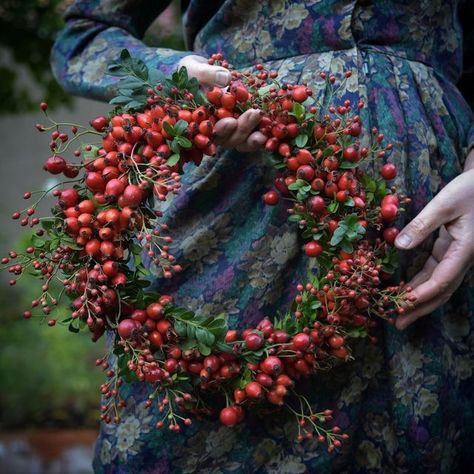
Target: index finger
(454, 263)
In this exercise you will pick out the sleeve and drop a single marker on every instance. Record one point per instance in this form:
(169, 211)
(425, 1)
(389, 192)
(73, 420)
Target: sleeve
(466, 15)
(96, 31)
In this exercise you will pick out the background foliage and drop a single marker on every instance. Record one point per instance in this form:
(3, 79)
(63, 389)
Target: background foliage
(47, 375)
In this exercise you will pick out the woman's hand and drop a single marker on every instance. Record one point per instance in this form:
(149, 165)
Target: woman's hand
(229, 132)
(451, 211)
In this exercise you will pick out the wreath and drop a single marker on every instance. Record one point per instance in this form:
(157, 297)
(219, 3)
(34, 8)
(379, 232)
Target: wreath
(107, 215)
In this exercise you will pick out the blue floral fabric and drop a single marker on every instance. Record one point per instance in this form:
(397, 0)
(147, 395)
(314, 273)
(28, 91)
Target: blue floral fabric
(406, 402)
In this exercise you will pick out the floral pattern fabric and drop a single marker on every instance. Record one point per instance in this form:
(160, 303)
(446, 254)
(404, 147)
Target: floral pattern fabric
(406, 402)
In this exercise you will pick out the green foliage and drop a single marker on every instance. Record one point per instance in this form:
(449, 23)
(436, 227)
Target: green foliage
(48, 376)
(27, 31)
(348, 231)
(200, 332)
(136, 79)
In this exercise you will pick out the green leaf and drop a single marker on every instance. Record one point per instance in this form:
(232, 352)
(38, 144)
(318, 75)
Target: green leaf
(189, 344)
(47, 223)
(173, 159)
(190, 331)
(89, 154)
(338, 235)
(204, 336)
(136, 104)
(140, 69)
(347, 246)
(73, 328)
(181, 126)
(156, 77)
(298, 110)
(184, 142)
(265, 90)
(70, 243)
(117, 70)
(333, 207)
(316, 304)
(204, 349)
(223, 347)
(181, 328)
(120, 100)
(125, 55)
(349, 202)
(301, 141)
(37, 241)
(169, 129)
(347, 165)
(175, 146)
(299, 183)
(295, 218)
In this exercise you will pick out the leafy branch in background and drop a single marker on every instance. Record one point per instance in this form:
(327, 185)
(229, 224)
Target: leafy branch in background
(27, 31)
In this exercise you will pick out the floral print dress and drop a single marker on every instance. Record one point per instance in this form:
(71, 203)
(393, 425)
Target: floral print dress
(406, 402)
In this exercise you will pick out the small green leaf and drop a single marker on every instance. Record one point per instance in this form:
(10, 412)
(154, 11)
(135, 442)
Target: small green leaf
(180, 127)
(125, 55)
(139, 68)
(204, 349)
(189, 344)
(169, 129)
(181, 328)
(73, 328)
(347, 165)
(301, 141)
(347, 246)
(37, 241)
(184, 142)
(175, 146)
(333, 207)
(338, 235)
(47, 223)
(265, 90)
(295, 218)
(190, 331)
(120, 100)
(173, 159)
(298, 110)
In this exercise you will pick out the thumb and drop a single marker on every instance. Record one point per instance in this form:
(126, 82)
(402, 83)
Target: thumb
(432, 216)
(206, 74)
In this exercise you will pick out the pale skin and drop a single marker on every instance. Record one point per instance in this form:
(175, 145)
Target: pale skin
(451, 211)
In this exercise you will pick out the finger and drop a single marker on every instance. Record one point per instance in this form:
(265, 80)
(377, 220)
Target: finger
(440, 247)
(437, 212)
(255, 141)
(246, 124)
(223, 130)
(206, 74)
(446, 276)
(455, 262)
(425, 273)
(403, 321)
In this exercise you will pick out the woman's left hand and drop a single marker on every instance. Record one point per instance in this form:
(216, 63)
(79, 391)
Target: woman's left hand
(451, 211)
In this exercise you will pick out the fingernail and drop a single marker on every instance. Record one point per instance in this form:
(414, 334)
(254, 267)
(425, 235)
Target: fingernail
(404, 240)
(222, 78)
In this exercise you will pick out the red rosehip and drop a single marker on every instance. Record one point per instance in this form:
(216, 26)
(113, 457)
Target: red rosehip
(253, 341)
(313, 249)
(388, 171)
(271, 198)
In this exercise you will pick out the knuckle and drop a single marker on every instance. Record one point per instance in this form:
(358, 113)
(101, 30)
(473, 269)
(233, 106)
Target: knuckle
(418, 225)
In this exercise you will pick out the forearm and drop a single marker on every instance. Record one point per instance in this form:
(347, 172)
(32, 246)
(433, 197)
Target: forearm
(95, 33)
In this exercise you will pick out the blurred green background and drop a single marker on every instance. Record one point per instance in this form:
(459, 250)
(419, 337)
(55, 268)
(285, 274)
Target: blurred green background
(48, 377)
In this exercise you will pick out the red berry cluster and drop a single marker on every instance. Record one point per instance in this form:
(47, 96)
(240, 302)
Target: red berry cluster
(105, 218)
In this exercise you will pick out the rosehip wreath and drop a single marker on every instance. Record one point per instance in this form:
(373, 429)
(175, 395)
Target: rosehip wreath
(106, 217)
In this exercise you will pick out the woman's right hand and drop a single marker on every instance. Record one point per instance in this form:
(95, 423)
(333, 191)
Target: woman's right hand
(229, 132)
